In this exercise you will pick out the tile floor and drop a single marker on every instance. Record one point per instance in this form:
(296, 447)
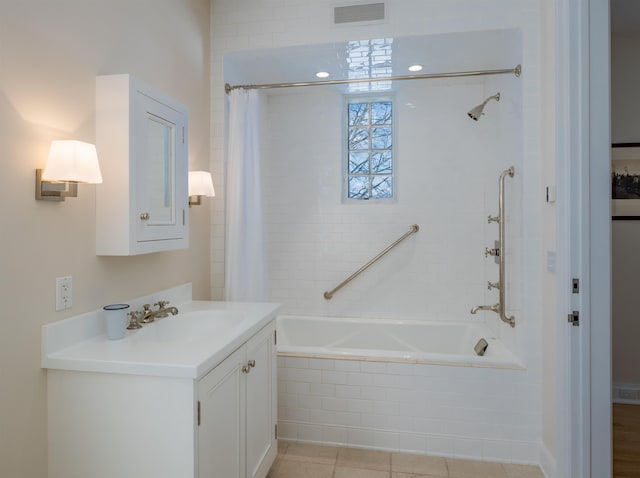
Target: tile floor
(297, 460)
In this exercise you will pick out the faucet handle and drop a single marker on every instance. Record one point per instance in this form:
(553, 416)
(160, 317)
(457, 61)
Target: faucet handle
(161, 304)
(147, 308)
(495, 252)
(133, 323)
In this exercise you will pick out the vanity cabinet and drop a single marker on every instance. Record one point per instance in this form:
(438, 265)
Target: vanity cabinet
(222, 425)
(141, 141)
(237, 412)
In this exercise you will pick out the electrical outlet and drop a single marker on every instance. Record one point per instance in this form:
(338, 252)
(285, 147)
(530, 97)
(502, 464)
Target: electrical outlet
(64, 292)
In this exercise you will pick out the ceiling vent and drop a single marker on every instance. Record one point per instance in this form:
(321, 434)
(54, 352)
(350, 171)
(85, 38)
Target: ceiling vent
(365, 12)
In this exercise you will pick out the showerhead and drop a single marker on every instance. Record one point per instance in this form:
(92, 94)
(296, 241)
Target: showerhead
(475, 113)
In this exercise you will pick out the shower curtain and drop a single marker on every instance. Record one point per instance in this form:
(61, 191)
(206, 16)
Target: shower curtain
(245, 276)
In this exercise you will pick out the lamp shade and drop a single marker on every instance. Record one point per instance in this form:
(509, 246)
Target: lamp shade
(72, 161)
(201, 184)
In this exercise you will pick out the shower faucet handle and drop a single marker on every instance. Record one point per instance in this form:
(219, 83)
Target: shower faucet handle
(491, 219)
(493, 285)
(495, 252)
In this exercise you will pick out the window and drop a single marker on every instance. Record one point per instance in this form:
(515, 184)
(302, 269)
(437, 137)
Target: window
(369, 149)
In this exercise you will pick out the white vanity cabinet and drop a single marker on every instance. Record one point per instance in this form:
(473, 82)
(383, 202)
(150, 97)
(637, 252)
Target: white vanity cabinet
(237, 412)
(141, 141)
(220, 425)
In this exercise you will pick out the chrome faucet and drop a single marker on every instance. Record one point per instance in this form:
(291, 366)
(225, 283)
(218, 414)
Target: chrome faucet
(494, 308)
(162, 311)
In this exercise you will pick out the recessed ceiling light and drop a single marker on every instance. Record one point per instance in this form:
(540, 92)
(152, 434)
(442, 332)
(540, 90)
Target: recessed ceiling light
(322, 74)
(415, 68)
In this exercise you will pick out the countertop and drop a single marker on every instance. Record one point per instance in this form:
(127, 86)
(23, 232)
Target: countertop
(187, 345)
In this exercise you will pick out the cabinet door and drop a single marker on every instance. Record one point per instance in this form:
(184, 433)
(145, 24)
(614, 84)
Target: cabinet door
(221, 434)
(160, 154)
(261, 403)
(142, 142)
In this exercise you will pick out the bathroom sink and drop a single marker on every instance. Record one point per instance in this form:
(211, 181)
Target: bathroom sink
(191, 326)
(186, 345)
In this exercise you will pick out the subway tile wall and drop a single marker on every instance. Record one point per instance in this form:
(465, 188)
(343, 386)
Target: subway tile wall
(430, 409)
(314, 240)
(446, 178)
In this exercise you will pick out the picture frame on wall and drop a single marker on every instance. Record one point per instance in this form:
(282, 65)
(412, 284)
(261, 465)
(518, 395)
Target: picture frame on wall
(625, 181)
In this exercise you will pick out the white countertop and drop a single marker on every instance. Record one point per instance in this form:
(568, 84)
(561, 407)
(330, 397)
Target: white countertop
(186, 345)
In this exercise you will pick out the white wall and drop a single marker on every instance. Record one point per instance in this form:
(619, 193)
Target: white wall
(325, 230)
(447, 182)
(50, 54)
(487, 414)
(549, 320)
(625, 104)
(447, 169)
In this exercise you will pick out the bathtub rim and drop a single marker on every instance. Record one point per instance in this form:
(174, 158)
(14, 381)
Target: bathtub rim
(510, 361)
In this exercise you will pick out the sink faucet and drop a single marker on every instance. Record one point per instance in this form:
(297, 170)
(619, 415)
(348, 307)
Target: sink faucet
(495, 308)
(162, 311)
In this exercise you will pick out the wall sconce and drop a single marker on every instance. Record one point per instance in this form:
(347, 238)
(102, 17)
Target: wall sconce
(70, 162)
(200, 184)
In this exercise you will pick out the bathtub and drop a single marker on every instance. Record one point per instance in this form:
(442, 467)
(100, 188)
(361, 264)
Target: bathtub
(409, 386)
(383, 340)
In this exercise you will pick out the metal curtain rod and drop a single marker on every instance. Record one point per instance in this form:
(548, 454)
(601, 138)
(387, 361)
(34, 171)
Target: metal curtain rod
(515, 71)
(412, 230)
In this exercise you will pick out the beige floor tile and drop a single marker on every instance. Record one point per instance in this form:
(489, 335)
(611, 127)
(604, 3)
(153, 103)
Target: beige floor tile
(475, 469)
(301, 460)
(299, 469)
(311, 453)
(342, 472)
(274, 467)
(282, 446)
(522, 471)
(419, 464)
(367, 459)
(411, 475)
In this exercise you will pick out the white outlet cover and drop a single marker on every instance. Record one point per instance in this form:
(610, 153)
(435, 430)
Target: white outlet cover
(64, 293)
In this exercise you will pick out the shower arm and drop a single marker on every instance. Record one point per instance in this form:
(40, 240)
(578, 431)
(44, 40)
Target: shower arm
(500, 307)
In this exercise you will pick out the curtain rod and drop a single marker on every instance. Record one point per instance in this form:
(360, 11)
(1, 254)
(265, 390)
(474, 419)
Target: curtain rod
(515, 71)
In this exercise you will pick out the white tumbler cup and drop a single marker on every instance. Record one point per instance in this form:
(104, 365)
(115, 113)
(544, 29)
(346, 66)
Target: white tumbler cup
(116, 318)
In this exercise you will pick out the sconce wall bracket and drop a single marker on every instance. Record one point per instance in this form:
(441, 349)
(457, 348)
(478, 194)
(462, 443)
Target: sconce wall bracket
(54, 191)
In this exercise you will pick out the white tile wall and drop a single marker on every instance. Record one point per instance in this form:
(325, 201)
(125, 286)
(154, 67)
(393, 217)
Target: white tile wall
(446, 179)
(314, 241)
(432, 409)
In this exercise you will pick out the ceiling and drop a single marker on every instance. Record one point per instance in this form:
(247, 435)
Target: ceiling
(494, 49)
(465, 51)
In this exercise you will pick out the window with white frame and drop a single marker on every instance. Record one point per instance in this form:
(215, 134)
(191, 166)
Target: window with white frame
(369, 149)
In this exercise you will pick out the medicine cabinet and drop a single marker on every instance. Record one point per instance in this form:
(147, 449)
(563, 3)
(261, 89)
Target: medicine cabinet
(141, 140)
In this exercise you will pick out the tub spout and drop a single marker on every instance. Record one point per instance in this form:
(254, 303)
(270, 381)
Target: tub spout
(495, 308)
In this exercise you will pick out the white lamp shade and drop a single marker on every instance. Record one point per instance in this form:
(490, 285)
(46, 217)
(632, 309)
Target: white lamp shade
(201, 184)
(72, 161)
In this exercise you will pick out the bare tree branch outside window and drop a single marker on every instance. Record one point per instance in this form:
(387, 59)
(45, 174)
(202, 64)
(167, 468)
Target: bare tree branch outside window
(370, 149)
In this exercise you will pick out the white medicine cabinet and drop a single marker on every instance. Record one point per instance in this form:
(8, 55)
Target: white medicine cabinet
(141, 140)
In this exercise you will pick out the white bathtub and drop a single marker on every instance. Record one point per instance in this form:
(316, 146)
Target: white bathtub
(383, 340)
(411, 386)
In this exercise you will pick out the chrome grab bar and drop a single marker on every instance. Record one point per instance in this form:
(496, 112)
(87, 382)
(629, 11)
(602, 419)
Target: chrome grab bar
(412, 230)
(502, 227)
(500, 307)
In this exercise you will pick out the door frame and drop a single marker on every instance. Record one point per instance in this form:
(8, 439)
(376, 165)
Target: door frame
(584, 238)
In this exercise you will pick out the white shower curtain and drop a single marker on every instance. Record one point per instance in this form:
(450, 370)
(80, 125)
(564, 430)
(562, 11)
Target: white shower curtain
(245, 277)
